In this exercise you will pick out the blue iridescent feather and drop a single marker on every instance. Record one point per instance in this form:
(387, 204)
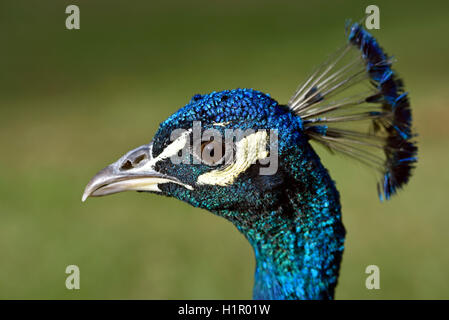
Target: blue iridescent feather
(400, 161)
(385, 106)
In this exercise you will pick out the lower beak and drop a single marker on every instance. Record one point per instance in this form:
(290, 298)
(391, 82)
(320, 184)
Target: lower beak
(127, 175)
(106, 182)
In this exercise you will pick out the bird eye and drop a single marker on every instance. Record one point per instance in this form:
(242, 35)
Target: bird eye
(212, 152)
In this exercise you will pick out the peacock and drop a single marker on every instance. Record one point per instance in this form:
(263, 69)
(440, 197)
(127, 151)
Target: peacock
(265, 177)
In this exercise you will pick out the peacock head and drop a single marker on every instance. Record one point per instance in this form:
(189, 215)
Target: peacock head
(220, 152)
(241, 155)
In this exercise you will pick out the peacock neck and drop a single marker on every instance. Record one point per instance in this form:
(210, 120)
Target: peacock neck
(298, 239)
(298, 257)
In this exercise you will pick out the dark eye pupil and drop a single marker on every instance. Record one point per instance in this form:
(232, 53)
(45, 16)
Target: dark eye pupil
(209, 154)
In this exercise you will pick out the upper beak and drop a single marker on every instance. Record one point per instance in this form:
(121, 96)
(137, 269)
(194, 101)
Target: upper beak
(133, 171)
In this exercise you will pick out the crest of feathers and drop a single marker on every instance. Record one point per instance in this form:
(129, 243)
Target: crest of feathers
(355, 104)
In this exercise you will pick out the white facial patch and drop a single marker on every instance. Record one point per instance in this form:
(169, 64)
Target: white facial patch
(171, 150)
(174, 147)
(221, 124)
(248, 150)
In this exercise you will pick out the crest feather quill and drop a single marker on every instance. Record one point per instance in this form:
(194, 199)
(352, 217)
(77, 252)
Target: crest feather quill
(355, 104)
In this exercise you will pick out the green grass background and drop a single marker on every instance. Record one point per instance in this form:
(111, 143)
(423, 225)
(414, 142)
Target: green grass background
(73, 101)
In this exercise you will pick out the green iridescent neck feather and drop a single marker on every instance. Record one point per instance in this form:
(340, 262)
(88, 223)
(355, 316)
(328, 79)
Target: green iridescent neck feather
(297, 234)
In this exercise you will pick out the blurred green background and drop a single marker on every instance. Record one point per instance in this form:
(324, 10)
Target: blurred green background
(73, 101)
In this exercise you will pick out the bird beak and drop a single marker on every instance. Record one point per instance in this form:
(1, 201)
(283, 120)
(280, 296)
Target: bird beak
(134, 171)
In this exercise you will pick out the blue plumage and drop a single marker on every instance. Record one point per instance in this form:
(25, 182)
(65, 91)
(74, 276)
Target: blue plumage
(291, 218)
(298, 207)
(385, 106)
(401, 152)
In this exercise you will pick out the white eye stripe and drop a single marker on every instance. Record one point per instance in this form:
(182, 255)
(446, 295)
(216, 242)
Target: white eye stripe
(170, 150)
(221, 124)
(174, 147)
(248, 151)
